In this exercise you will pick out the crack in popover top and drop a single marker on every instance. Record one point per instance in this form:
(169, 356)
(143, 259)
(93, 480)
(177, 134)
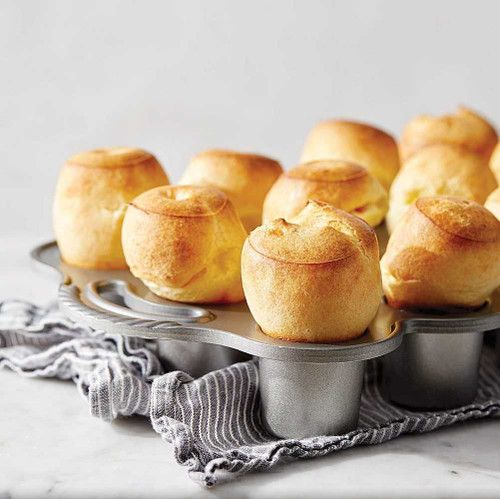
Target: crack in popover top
(319, 234)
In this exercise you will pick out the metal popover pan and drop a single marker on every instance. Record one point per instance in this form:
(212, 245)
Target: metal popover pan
(306, 389)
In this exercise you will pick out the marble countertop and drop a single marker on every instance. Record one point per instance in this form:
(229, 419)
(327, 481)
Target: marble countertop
(51, 447)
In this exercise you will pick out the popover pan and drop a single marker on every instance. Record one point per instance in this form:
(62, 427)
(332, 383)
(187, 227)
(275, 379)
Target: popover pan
(306, 389)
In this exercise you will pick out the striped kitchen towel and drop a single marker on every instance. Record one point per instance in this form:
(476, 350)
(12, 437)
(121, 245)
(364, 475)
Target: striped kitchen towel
(112, 372)
(213, 422)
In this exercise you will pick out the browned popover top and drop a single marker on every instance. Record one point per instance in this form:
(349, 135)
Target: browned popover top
(313, 237)
(110, 157)
(465, 127)
(322, 171)
(461, 218)
(181, 201)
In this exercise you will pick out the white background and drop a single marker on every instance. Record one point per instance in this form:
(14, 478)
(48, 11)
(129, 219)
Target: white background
(178, 77)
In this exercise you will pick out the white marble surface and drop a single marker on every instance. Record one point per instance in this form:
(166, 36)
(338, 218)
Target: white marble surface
(51, 447)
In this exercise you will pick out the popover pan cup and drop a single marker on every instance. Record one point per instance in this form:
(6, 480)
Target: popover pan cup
(433, 371)
(437, 364)
(196, 359)
(306, 399)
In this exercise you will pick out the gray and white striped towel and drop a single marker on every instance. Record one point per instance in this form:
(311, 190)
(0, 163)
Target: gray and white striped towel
(213, 422)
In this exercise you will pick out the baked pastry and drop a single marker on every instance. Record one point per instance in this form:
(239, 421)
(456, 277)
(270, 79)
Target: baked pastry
(495, 162)
(315, 278)
(244, 178)
(439, 169)
(443, 254)
(342, 184)
(362, 144)
(493, 203)
(464, 128)
(91, 197)
(184, 243)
